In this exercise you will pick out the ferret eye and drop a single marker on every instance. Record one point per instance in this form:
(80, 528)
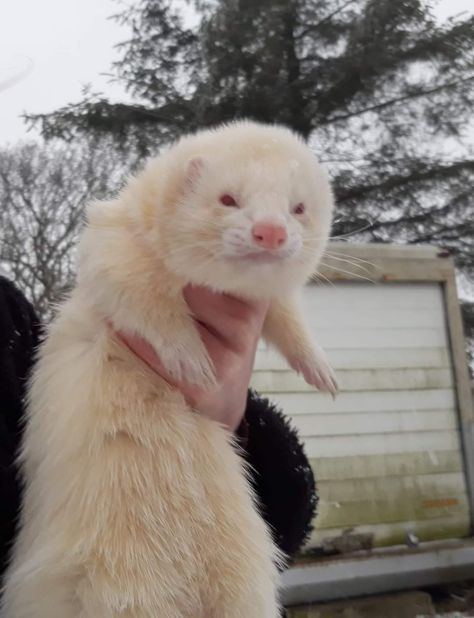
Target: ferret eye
(228, 200)
(299, 209)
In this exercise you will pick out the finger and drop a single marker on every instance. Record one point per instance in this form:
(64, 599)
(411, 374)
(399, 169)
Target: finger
(147, 353)
(217, 308)
(141, 348)
(229, 318)
(219, 351)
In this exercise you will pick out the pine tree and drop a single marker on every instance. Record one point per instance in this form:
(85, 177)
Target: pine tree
(382, 91)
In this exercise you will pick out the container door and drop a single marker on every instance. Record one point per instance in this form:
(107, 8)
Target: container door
(387, 452)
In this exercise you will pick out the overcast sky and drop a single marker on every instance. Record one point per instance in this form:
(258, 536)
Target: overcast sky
(61, 45)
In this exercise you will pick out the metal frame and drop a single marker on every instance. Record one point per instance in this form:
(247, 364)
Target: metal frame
(383, 570)
(378, 572)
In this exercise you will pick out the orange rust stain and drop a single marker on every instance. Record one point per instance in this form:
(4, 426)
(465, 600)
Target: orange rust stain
(439, 503)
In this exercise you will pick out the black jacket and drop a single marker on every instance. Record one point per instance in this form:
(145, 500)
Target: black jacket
(280, 471)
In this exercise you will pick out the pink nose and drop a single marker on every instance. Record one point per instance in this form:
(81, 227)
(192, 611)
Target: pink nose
(269, 235)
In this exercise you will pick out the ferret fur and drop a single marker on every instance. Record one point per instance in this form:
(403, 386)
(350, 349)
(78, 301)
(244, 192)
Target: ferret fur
(134, 505)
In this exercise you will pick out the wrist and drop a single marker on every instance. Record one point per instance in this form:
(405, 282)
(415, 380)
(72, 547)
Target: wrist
(242, 433)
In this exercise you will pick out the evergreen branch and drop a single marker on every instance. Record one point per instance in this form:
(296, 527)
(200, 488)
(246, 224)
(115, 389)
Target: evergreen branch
(325, 20)
(425, 214)
(105, 116)
(396, 100)
(428, 172)
(451, 233)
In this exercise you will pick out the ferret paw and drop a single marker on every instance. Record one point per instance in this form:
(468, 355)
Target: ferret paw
(316, 371)
(188, 365)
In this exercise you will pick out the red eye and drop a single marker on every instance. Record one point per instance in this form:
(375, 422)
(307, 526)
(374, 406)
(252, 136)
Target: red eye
(228, 200)
(298, 209)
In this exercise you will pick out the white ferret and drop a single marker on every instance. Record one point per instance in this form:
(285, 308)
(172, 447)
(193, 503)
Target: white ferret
(136, 507)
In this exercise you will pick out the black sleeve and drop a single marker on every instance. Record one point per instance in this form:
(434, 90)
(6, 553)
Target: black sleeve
(19, 335)
(281, 474)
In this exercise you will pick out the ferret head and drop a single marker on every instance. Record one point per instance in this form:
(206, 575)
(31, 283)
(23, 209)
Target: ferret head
(244, 208)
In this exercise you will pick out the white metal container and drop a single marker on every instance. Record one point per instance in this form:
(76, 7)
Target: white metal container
(393, 454)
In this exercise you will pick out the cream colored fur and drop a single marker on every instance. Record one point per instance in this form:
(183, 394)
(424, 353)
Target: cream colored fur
(135, 506)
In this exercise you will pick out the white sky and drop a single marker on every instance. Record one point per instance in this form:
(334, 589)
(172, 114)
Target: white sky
(67, 44)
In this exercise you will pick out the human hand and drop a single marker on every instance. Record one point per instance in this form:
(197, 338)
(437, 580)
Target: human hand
(230, 329)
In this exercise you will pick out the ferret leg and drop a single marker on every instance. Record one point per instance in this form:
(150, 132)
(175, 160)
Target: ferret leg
(164, 320)
(285, 329)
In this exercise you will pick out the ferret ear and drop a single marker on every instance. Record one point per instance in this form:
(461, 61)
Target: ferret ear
(194, 169)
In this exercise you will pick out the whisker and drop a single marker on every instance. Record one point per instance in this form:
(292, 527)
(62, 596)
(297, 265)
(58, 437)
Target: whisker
(361, 229)
(358, 259)
(347, 272)
(341, 236)
(340, 259)
(319, 276)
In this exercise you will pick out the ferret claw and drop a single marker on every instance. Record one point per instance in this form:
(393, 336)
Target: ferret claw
(318, 373)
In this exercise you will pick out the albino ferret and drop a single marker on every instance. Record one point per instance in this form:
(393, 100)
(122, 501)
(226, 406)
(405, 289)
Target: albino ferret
(135, 506)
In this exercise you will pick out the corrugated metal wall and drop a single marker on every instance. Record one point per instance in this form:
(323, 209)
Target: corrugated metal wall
(386, 452)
